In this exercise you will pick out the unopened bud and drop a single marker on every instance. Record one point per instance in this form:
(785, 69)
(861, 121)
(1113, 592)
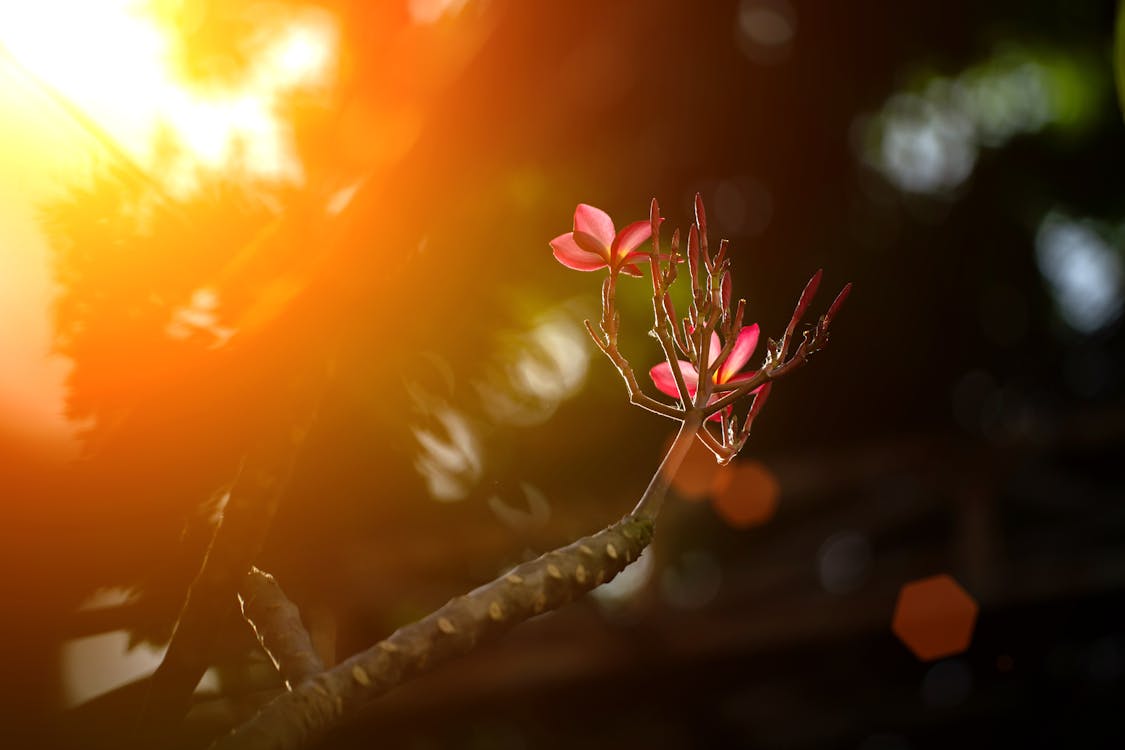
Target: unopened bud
(701, 223)
(837, 303)
(808, 294)
(693, 257)
(759, 401)
(722, 254)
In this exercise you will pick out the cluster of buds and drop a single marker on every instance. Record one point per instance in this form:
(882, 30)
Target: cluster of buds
(706, 349)
(706, 384)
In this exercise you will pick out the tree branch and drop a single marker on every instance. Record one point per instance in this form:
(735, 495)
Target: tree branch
(313, 707)
(238, 538)
(277, 623)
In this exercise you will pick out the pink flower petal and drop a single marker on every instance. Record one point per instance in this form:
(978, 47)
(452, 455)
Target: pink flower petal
(740, 354)
(665, 379)
(716, 348)
(591, 244)
(633, 257)
(632, 270)
(630, 238)
(596, 222)
(571, 255)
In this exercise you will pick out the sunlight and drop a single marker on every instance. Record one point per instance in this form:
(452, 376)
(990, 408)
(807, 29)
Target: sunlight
(104, 58)
(79, 78)
(111, 60)
(303, 53)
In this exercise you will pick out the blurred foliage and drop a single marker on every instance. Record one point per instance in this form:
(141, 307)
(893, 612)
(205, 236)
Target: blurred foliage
(127, 259)
(928, 138)
(213, 42)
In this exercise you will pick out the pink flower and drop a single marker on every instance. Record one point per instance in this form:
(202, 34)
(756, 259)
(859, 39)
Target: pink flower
(595, 243)
(740, 354)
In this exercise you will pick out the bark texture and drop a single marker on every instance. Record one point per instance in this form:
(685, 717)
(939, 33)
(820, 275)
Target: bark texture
(297, 718)
(277, 623)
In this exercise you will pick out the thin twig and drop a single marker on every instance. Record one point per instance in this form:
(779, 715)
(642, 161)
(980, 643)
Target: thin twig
(734, 325)
(776, 365)
(722, 452)
(607, 343)
(663, 314)
(637, 396)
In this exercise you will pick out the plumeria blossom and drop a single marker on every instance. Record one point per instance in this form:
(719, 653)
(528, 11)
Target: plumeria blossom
(740, 354)
(595, 243)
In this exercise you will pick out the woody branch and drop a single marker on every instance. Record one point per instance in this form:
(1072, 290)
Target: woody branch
(317, 702)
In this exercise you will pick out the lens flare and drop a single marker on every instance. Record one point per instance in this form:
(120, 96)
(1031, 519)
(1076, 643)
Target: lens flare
(111, 61)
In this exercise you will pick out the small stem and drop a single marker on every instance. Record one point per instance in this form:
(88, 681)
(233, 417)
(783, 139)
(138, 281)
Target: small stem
(608, 345)
(661, 327)
(722, 452)
(664, 321)
(705, 387)
(701, 224)
(732, 339)
(636, 395)
(764, 375)
(755, 409)
(649, 504)
(802, 304)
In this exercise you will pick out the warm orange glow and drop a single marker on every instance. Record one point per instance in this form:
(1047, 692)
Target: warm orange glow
(746, 494)
(743, 494)
(111, 60)
(99, 53)
(694, 478)
(32, 150)
(935, 617)
(89, 80)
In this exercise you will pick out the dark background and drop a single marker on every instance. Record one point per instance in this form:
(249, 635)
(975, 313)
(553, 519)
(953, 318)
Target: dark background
(959, 422)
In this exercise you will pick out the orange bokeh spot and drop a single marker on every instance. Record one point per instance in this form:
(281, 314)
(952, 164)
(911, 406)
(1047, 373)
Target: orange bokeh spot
(934, 617)
(698, 472)
(746, 494)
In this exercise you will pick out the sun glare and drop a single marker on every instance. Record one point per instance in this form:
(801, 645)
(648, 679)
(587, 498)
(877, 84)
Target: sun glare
(110, 59)
(80, 79)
